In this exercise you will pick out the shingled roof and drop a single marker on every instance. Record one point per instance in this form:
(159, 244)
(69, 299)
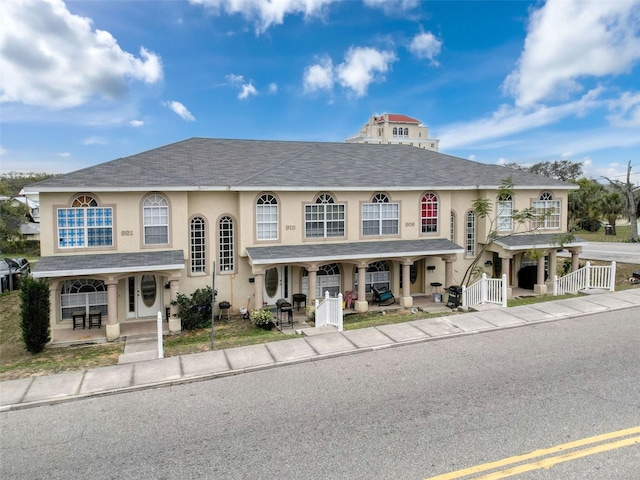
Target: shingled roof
(222, 164)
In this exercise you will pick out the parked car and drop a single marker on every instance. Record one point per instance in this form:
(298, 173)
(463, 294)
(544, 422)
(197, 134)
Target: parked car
(16, 267)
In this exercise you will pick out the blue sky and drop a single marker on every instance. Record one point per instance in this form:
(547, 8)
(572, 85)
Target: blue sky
(503, 81)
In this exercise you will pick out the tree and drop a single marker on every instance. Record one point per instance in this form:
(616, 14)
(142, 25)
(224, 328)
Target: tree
(564, 170)
(35, 305)
(584, 205)
(610, 205)
(11, 217)
(526, 221)
(12, 183)
(630, 196)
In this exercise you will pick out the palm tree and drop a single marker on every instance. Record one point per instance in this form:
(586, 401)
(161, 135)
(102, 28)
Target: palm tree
(630, 196)
(610, 206)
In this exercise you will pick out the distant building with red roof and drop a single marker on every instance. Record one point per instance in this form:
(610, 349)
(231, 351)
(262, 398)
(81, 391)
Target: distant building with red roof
(394, 128)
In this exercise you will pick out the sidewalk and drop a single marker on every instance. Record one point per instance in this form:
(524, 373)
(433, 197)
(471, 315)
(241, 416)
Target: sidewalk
(35, 391)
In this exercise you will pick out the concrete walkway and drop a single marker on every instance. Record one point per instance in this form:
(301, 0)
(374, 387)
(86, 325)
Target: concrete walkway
(35, 391)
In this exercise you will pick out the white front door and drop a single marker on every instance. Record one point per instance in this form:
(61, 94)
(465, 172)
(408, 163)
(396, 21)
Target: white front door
(276, 284)
(148, 295)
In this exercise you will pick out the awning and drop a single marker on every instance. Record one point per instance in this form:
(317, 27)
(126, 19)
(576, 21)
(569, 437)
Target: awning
(529, 241)
(108, 263)
(335, 252)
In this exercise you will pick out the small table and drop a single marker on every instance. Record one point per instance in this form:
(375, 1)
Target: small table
(77, 316)
(299, 298)
(95, 319)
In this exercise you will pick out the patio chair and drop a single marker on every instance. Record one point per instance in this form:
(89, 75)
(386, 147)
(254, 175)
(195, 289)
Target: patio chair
(383, 296)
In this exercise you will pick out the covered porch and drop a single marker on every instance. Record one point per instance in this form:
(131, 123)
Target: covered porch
(533, 274)
(429, 262)
(119, 289)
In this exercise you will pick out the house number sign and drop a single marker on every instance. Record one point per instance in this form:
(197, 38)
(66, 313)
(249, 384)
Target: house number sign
(126, 233)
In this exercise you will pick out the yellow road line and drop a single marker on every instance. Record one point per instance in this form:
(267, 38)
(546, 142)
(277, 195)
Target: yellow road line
(536, 453)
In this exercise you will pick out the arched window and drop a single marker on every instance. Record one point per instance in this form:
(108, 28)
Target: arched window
(406, 132)
(395, 131)
(546, 211)
(226, 251)
(83, 294)
(505, 213)
(380, 217)
(156, 220)
(452, 227)
(85, 224)
(324, 218)
(429, 213)
(198, 245)
(470, 234)
(328, 279)
(267, 217)
(378, 273)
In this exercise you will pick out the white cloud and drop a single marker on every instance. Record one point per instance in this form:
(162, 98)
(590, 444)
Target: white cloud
(234, 79)
(266, 13)
(94, 140)
(568, 40)
(392, 6)
(180, 110)
(625, 110)
(136, 123)
(363, 66)
(508, 120)
(3, 150)
(426, 45)
(247, 90)
(273, 88)
(64, 154)
(319, 76)
(50, 57)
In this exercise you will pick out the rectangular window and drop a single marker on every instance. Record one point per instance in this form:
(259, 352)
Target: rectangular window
(156, 225)
(505, 215)
(380, 218)
(324, 220)
(226, 245)
(547, 214)
(267, 222)
(85, 227)
(470, 244)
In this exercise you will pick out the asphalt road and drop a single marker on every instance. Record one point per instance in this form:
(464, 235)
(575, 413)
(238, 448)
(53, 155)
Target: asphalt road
(607, 252)
(412, 412)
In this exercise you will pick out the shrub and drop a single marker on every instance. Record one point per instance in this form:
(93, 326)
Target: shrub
(35, 304)
(261, 317)
(195, 311)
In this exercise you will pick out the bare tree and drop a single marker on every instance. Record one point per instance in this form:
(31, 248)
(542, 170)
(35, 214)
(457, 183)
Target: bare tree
(630, 200)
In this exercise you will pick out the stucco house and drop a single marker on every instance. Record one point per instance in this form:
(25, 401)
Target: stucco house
(272, 219)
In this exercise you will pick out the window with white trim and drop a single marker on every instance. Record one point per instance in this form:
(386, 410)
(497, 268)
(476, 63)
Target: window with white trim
(155, 215)
(505, 213)
(546, 211)
(452, 227)
(85, 224)
(378, 273)
(328, 279)
(83, 294)
(470, 234)
(325, 218)
(380, 217)
(429, 213)
(267, 217)
(198, 245)
(226, 250)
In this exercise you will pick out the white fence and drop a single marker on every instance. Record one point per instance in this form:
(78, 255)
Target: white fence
(486, 290)
(329, 311)
(586, 277)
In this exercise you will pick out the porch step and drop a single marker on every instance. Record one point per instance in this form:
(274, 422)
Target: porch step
(311, 331)
(139, 348)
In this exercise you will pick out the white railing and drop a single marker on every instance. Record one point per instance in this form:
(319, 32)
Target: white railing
(586, 277)
(329, 311)
(486, 290)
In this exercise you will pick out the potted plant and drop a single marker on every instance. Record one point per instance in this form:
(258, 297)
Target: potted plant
(261, 318)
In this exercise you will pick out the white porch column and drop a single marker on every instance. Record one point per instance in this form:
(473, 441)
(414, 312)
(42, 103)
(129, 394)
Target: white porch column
(113, 326)
(448, 271)
(258, 280)
(313, 282)
(540, 287)
(361, 305)
(553, 263)
(575, 260)
(175, 323)
(506, 270)
(406, 301)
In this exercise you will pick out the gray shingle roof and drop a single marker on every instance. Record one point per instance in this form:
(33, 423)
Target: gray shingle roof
(106, 263)
(207, 163)
(350, 251)
(528, 241)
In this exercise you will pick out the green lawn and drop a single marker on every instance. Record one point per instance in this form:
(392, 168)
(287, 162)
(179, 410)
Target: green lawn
(623, 234)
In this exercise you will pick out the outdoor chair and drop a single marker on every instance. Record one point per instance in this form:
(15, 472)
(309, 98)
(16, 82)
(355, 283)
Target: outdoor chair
(383, 296)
